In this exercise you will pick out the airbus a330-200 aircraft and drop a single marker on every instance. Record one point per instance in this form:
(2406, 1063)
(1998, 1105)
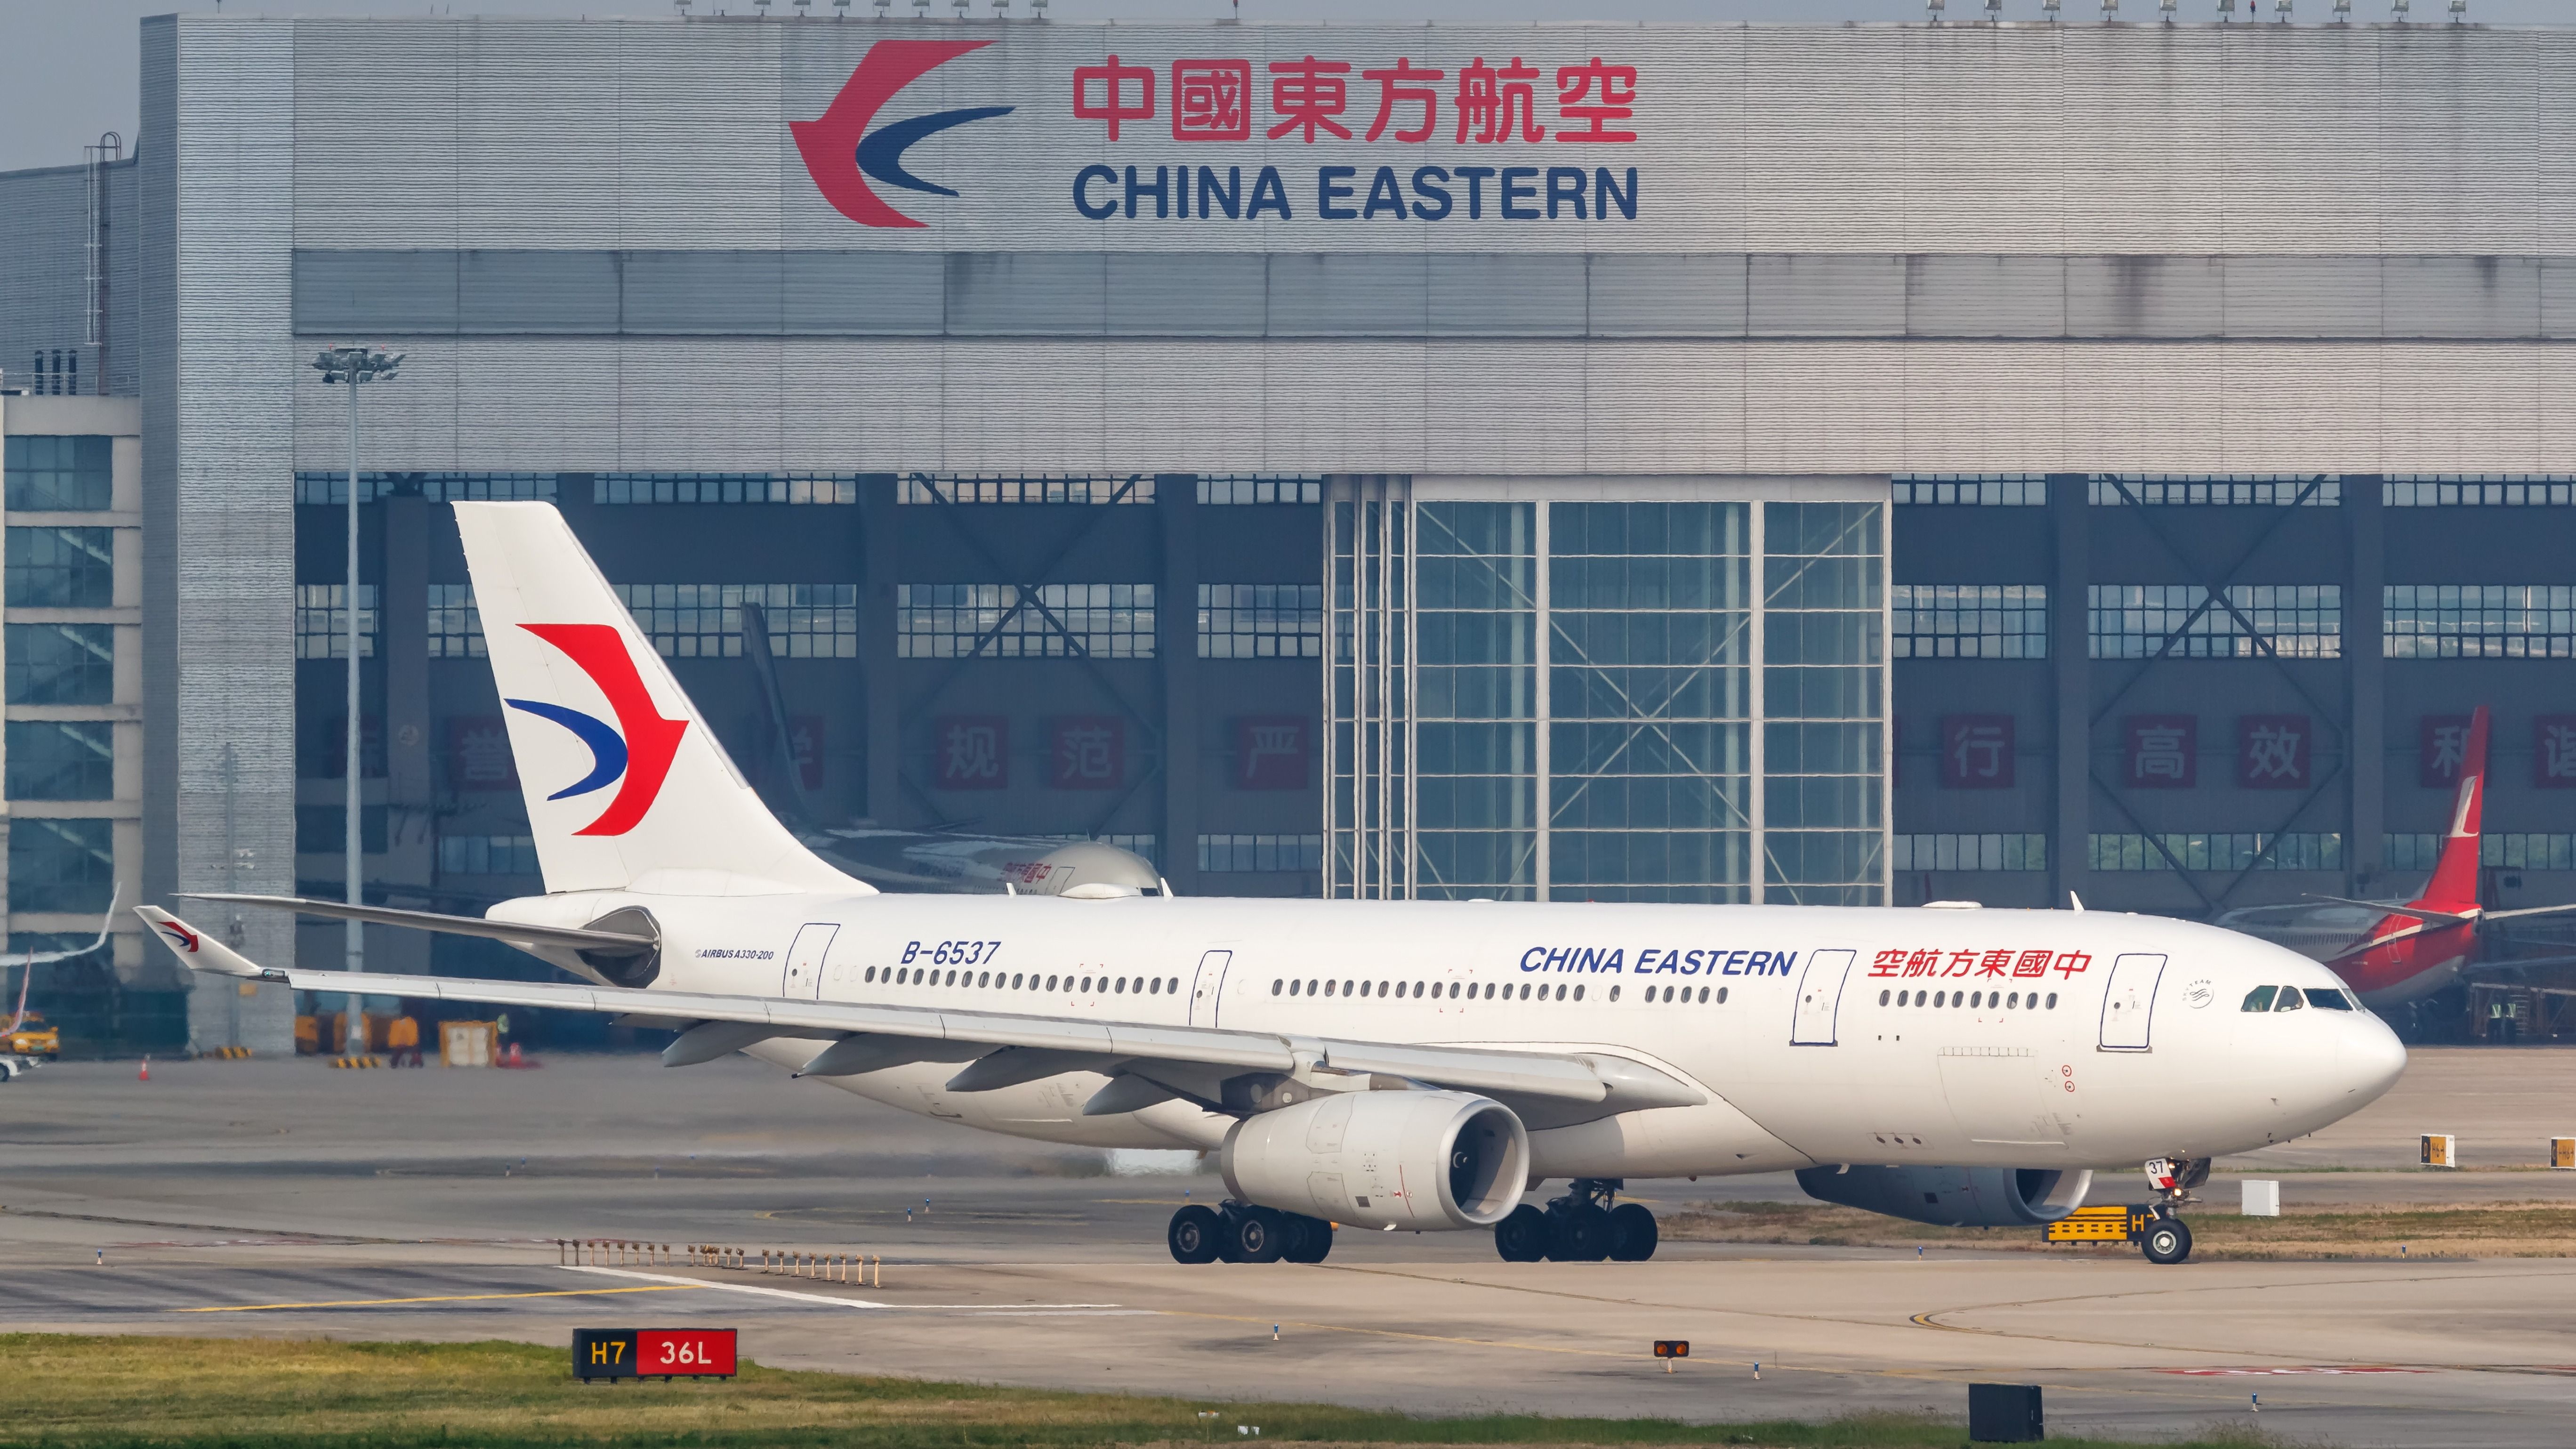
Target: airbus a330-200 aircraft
(1367, 1064)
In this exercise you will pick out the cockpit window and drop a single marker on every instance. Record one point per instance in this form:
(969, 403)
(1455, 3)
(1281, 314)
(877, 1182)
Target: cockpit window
(2288, 1000)
(2260, 998)
(2328, 999)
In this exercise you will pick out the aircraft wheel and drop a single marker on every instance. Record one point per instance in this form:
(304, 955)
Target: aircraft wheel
(1633, 1233)
(2167, 1240)
(1309, 1239)
(1582, 1235)
(1258, 1236)
(1193, 1234)
(1522, 1236)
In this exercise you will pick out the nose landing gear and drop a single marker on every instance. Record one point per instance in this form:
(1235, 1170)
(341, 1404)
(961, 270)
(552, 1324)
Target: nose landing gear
(1580, 1227)
(2166, 1239)
(1242, 1233)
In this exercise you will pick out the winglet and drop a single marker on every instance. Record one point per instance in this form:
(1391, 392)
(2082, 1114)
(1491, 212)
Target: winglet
(198, 951)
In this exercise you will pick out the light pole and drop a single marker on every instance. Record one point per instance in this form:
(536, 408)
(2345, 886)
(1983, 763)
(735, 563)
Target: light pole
(354, 365)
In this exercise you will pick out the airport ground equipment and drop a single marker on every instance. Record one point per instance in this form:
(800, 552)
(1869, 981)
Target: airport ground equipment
(31, 1037)
(2562, 1153)
(13, 1066)
(2438, 1149)
(653, 1353)
(2005, 1414)
(2154, 1227)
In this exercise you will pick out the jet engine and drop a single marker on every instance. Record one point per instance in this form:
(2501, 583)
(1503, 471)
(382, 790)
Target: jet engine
(1430, 1161)
(1958, 1197)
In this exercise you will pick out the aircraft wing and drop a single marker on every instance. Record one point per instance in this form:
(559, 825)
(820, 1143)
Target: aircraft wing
(2447, 918)
(1615, 1084)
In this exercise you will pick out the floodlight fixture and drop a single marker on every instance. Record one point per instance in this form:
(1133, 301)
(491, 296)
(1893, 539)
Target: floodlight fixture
(2226, 11)
(1994, 11)
(2166, 8)
(2049, 9)
(2281, 11)
(2459, 11)
(1934, 7)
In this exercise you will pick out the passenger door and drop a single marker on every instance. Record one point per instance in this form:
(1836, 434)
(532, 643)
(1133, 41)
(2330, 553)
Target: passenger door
(802, 979)
(2129, 1006)
(1820, 995)
(1208, 989)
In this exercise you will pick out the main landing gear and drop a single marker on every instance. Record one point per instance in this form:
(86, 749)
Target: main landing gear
(1241, 1233)
(1580, 1227)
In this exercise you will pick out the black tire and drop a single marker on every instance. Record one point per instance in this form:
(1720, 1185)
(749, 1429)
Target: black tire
(1310, 1240)
(2167, 1240)
(1258, 1236)
(1193, 1234)
(1522, 1236)
(1581, 1235)
(1633, 1233)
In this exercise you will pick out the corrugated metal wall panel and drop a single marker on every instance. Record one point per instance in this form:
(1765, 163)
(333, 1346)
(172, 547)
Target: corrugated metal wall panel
(696, 118)
(1346, 294)
(891, 293)
(233, 417)
(1985, 296)
(378, 114)
(705, 292)
(2142, 144)
(1661, 296)
(353, 293)
(2146, 296)
(2460, 296)
(1027, 293)
(1812, 294)
(1970, 154)
(1186, 294)
(562, 293)
(538, 151)
(1478, 295)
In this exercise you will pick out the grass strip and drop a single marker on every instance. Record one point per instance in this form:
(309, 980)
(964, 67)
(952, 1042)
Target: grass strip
(107, 1392)
(2486, 1230)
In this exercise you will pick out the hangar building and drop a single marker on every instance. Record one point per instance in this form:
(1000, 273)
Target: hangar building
(1731, 463)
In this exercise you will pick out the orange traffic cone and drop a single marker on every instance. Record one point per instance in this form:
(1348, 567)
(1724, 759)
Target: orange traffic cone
(145, 1075)
(515, 1059)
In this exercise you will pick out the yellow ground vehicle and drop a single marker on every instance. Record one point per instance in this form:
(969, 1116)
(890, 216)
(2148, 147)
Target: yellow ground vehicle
(32, 1038)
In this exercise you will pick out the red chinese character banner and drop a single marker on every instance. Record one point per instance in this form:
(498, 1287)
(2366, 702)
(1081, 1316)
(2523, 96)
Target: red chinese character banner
(2274, 751)
(2160, 751)
(1976, 751)
(1270, 752)
(2553, 751)
(1086, 752)
(970, 752)
(2441, 742)
(478, 754)
(1485, 100)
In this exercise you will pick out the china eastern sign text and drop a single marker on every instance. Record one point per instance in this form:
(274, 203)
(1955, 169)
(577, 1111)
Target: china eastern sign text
(1308, 101)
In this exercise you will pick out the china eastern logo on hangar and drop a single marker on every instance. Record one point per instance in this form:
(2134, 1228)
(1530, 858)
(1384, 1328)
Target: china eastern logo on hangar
(1496, 109)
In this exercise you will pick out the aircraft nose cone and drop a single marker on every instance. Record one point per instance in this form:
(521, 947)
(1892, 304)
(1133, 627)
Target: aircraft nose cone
(2371, 1061)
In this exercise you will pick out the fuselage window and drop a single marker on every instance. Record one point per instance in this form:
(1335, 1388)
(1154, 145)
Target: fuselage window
(1703, 996)
(1346, 988)
(1578, 993)
(2260, 998)
(1721, 996)
(1122, 985)
(983, 979)
(1086, 986)
(1328, 988)
(1050, 983)
(1936, 998)
(1882, 998)
(2052, 1001)
(2013, 1001)
(872, 973)
(2288, 1000)
(1364, 988)
(1524, 991)
(1277, 986)
(1015, 981)
(1310, 988)
(1614, 995)
(952, 978)
(1560, 991)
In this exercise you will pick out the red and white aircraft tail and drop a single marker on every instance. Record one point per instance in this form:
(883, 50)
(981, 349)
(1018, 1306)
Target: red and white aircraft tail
(2454, 886)
(626, 786)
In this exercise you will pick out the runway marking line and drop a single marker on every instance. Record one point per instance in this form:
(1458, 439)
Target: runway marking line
(443, 1298)
(835, 1301)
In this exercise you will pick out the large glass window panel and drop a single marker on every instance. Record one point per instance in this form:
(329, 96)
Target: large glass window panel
(61, 760)
(61, 865)
(61, 568)
(65, 474)
(1824, 652)
(60, 663)
(1475, 575)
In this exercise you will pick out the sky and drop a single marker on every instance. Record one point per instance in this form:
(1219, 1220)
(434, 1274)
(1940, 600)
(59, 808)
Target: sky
(67, 67)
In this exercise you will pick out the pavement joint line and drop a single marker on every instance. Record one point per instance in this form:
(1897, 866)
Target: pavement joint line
(444, 1298)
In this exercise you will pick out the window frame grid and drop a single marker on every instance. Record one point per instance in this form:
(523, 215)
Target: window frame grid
(982, 489)
(2213, 632)
(1259, 490)
(322, 621)
(1971, 490)
(931, 621)
(628, 490)
(660, 610)
(2403, 605)
(1225, 854)
(1951, 607)
(1914, 852)
(327, 488)
(1224, 633)
(2497, 490)
(2319, 851)
(2201, 490)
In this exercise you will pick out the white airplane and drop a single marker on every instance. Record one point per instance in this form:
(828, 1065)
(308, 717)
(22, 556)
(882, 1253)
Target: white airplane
(1378, 1065)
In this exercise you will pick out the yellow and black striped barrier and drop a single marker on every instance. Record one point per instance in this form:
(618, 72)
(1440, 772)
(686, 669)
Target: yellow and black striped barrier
(357, 1061)
(224, 1054)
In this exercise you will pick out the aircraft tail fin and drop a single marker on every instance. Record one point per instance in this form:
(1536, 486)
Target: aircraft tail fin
(626, 787)
(2455, 875)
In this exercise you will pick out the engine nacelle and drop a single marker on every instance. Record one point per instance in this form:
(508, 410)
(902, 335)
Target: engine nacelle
(1957, 1197)
(1431, 1161)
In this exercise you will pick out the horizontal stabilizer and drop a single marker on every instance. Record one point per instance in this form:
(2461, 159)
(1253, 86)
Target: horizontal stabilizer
(606, 943)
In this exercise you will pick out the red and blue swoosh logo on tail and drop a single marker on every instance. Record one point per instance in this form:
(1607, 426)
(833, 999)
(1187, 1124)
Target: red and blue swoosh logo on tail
(637, 750)
(841, 153)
